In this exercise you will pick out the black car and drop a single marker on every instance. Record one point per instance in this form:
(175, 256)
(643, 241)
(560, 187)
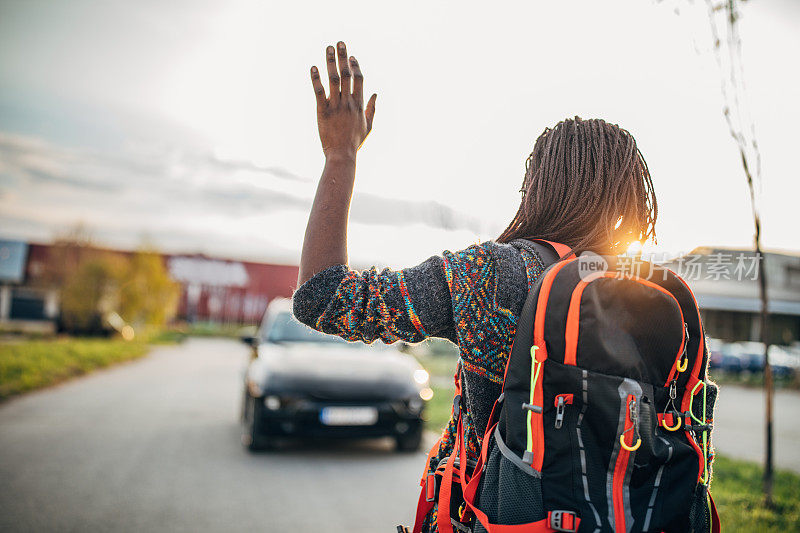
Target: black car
(302, 383)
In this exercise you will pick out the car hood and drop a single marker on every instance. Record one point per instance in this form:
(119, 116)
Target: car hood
(337, 371)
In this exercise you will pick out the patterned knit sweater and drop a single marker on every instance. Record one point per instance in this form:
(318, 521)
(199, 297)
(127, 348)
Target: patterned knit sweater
(472, 297)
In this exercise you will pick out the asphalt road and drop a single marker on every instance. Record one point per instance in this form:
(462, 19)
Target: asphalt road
(739, 425)
(154, 445)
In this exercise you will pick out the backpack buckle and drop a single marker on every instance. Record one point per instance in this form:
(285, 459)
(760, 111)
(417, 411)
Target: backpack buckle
(431, 489)
(564, 521)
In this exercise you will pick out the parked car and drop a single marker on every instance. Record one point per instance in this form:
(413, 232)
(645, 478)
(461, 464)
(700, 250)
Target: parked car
(738, 357)
(725, 356)
(302, 383)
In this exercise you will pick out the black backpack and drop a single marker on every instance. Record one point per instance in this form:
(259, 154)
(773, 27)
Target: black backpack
(604, 422)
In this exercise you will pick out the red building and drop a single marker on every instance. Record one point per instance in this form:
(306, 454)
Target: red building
(226, 291)
(212, 289)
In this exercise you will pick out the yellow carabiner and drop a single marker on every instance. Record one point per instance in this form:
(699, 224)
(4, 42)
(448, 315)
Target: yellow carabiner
(676, 427)
(630, 448)
(680, 367)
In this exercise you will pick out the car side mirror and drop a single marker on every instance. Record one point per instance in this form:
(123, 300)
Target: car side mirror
(250, 340)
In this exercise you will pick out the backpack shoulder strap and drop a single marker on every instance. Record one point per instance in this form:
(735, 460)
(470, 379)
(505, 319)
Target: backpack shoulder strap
(561, 250)
(550, 252)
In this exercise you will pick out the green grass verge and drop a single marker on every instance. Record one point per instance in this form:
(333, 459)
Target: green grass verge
(166, 336)
(208, 329)
(736, 487)
(439, 408)
(32, 364)
(441, 368)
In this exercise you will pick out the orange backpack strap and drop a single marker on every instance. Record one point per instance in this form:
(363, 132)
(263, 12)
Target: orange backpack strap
(427, 496)
(561, 249)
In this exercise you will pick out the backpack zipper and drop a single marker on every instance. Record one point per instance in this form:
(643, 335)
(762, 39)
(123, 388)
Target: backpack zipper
(561, 401)
(623, 458)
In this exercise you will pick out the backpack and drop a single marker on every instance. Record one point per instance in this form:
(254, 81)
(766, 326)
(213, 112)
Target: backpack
(604, 421)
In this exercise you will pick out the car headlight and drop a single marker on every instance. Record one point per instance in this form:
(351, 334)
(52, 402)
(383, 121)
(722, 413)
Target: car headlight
(273, 403)
(421, 376)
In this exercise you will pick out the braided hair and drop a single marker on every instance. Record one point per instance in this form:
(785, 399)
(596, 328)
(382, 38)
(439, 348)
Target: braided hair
(587, 186)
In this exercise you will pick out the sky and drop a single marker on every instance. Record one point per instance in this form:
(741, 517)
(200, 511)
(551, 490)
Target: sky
(191, 125)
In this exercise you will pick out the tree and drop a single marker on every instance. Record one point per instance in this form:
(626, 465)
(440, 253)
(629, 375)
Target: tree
(726, 44)
(147, 295)
(104, 289)
(742, 128)
(89, 293)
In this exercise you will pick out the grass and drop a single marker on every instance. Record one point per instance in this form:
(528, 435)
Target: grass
(31, 364)
(166, 336)
(209, 329)
(736, 485)
(441, 368)
(180, 332)
(439, 409)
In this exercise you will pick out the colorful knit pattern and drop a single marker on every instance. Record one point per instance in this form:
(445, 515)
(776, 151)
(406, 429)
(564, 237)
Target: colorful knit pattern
(409, 307)
(485, 329)
(364, 309)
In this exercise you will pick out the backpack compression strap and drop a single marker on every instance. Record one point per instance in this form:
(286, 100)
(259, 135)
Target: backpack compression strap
(428, 495)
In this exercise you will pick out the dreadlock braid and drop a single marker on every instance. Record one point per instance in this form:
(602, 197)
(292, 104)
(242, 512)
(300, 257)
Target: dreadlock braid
(587, 186)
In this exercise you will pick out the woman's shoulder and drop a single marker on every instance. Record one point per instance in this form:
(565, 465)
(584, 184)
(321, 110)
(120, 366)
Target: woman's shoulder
(479, 254)
(505, 270)
(498, 256)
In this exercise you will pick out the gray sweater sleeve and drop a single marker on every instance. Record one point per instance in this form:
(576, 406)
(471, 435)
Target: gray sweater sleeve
(408, 305)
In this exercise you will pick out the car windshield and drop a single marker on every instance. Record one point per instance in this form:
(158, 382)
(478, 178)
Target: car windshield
(285, 328)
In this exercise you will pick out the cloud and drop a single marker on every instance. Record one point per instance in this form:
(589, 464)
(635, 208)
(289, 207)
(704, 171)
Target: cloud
(166, 178)
(188, 199)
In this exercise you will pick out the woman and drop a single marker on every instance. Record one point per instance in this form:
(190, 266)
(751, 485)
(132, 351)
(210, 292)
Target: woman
(586, 186)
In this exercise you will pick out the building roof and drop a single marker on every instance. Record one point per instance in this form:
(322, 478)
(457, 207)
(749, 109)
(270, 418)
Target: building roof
(727, 279)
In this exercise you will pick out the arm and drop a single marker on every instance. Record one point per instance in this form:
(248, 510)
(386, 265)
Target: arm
(409, 304)
(343, 126)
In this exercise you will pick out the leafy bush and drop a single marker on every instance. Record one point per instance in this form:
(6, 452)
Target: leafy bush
(135, 289)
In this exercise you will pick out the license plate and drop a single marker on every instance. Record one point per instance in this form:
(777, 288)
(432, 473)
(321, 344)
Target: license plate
(348, 416)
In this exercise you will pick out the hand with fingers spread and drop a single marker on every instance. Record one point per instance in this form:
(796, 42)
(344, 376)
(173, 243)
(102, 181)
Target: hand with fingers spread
(343, 122)
(343, 125)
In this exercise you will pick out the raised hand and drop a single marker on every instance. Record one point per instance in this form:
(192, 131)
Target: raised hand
(342, 120)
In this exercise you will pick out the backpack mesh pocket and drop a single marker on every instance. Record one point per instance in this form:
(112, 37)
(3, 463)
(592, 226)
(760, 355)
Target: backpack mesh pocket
(517, 499)
(699, 515)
